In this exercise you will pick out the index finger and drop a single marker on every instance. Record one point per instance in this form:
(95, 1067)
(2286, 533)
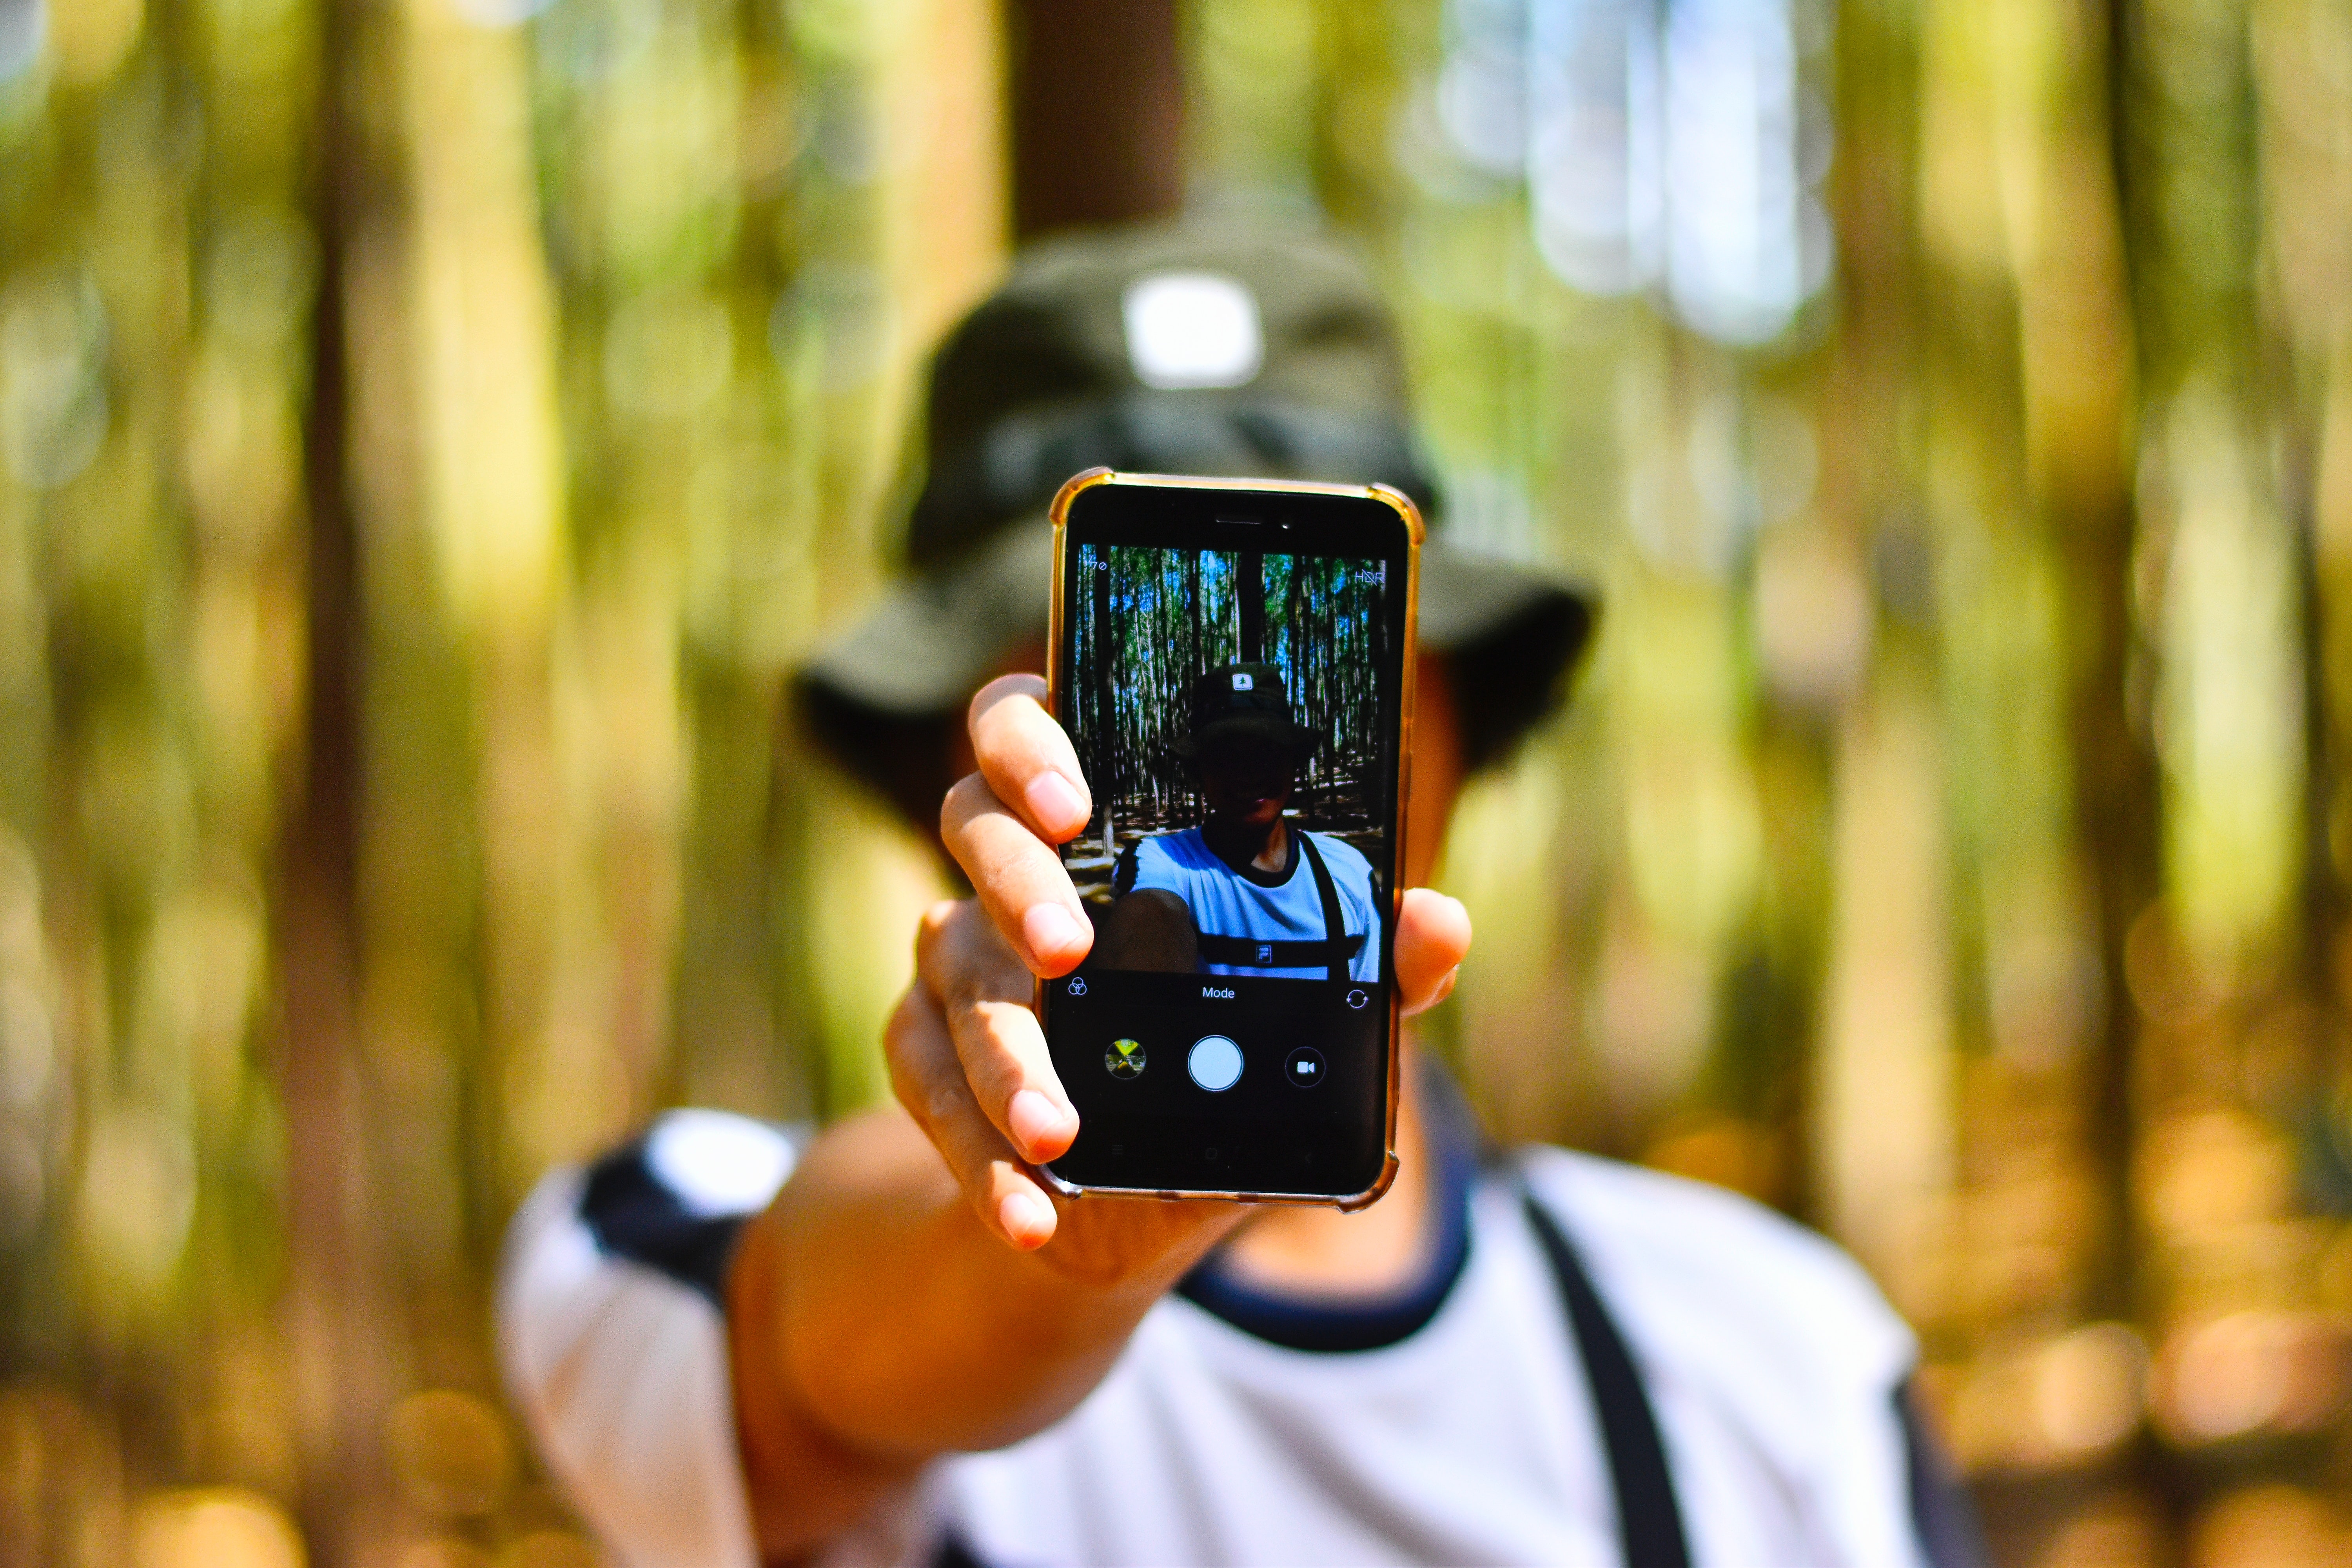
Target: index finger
(1027, 758)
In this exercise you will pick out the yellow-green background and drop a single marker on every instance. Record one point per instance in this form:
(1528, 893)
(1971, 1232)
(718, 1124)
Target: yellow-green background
(1947, 844)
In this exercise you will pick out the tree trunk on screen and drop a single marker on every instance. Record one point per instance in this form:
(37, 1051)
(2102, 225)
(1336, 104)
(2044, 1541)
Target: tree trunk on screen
(1292, 617)
(1198, 660)
(1105, 758)
(1381, 796)
(1250, 586)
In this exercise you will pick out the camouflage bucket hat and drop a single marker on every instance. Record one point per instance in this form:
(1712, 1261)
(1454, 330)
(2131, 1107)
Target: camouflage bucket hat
(1182, 350)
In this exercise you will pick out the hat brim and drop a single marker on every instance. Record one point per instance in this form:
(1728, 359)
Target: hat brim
(1514, 634)
(929, 643)
(1283, 733)
(1514, 637)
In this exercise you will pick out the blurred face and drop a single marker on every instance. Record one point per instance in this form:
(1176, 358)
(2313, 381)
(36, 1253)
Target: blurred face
(1246, 782)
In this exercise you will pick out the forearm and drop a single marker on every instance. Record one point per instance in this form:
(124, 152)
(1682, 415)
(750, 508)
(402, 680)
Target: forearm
(908, 1327)
(875, 1321)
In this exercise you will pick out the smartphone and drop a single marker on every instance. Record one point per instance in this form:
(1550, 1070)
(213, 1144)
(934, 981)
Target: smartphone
(1233, 661)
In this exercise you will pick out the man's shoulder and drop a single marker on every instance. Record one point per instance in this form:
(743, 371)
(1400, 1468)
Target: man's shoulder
(1710, 1275)
(665, 1200)
(1605, 1196)
(612, 1332)
(1179, 847)
(1338, 853)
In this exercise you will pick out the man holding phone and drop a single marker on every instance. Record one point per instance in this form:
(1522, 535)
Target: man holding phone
(889, 1343)
(1248, 891)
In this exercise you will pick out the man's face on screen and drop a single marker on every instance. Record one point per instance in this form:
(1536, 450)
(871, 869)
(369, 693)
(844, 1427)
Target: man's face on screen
(1247, 781)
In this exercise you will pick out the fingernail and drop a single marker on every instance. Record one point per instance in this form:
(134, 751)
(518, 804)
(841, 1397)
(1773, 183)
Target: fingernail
(1052, 931)
(1057, 804)
(1027, 1218)
(1035, 1119)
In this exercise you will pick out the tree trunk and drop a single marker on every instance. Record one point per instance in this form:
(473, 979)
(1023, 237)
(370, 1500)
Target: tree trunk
(337, 1340)
(1097, 113)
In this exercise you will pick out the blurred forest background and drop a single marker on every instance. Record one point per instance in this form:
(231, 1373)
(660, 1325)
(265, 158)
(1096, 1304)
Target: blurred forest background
(429, 431)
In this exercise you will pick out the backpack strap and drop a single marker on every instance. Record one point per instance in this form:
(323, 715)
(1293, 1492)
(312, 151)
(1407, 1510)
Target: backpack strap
(1335, 925)
(1649, 1515)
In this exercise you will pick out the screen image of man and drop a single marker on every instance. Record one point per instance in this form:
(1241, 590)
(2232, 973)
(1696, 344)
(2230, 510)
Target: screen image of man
(1248, 891)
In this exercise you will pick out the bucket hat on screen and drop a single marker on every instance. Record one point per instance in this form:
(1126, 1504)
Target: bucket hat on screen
(1180, 349)
(1238, 702)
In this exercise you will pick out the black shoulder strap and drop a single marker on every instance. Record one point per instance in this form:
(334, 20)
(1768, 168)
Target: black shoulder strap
(1335, 925)
(1941, 1512)
(1648, 1514)
(1248, 952)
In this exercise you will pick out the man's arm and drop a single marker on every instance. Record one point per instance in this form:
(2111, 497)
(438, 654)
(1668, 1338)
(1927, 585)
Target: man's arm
(875, 1321)
(914, 1290)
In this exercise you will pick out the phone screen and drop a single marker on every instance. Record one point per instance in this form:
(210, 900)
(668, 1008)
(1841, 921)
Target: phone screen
(1230, 667)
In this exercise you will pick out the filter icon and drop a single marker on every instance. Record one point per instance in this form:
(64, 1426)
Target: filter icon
(1125, 1059)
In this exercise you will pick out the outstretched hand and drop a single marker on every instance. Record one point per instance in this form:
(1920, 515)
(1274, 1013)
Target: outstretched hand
(968, 1058)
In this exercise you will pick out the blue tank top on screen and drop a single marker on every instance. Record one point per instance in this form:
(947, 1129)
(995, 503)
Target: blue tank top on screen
(1262, 908)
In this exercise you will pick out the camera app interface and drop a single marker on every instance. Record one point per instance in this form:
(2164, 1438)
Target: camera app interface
(1236, 712)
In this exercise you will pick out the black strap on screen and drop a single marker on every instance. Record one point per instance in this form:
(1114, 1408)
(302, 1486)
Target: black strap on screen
(1248, 952)
(1335, 926)
(1649, 1516)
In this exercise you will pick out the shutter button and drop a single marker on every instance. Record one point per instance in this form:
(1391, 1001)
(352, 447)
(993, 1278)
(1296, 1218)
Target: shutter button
(1215, 1063)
